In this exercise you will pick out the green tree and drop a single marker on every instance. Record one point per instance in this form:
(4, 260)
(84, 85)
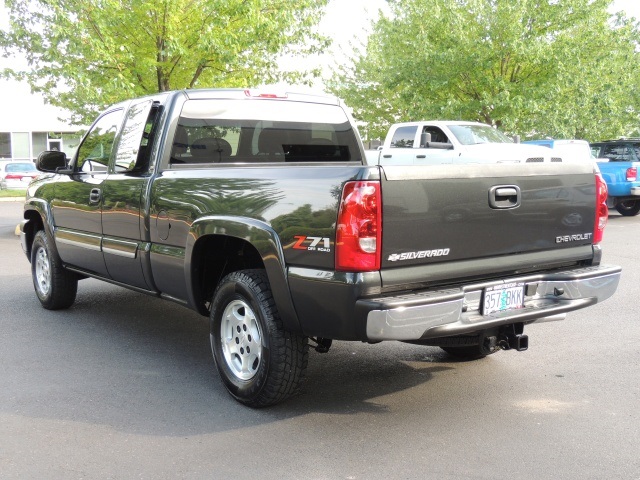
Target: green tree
(86, 54)
(565, 69)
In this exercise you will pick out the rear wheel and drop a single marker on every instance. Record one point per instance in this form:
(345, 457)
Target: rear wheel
(470, 352)
(470, 347)
(55, 286)
(628, 208)
(260, 362)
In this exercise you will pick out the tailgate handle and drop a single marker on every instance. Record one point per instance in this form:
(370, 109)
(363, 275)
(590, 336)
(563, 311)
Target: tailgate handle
(504, 196)
(94, 195)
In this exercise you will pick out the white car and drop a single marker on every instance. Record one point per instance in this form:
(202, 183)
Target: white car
(17, 174)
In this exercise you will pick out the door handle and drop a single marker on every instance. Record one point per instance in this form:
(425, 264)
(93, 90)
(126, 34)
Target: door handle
(505, 196)
(386, 156)
(95, 195)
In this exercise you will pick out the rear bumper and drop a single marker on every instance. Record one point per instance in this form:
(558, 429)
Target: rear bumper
(456, 311)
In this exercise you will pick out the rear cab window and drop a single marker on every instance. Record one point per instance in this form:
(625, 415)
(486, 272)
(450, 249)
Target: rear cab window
(619, 151)
(257, 131)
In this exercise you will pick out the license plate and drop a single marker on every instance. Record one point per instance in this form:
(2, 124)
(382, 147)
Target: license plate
(503, 297)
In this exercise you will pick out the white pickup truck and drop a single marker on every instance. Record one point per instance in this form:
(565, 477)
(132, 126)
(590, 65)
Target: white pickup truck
(438, 142)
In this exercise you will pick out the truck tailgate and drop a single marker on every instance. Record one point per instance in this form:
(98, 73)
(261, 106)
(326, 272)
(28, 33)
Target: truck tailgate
(503, 216)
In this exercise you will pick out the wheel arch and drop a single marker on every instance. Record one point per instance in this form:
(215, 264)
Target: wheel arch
(219, 245)
(36, 217)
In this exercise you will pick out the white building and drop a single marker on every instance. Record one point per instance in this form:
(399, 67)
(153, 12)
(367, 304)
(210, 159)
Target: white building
(28, 126)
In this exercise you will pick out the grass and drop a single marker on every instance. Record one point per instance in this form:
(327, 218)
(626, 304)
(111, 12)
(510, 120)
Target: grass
(12, 193)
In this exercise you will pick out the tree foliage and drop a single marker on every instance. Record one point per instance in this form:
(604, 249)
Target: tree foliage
(85, 54)
(564, 69)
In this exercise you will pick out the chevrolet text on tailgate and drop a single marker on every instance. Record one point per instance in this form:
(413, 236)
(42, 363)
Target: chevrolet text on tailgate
(259, 211)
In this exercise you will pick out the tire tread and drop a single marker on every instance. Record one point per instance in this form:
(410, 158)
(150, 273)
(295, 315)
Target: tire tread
(289, 351)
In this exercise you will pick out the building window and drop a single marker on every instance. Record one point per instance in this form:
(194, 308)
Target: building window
(5, 145)
(20, 146)
(39, 141)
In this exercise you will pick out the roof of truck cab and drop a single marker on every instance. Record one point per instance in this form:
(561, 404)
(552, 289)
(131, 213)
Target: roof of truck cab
(276, 93)
(442, 122)
(551, 142)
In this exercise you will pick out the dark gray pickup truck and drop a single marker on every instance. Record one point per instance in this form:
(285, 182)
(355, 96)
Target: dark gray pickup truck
(258, 210)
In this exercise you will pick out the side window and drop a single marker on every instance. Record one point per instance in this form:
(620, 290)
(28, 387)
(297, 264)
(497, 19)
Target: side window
(95, 150)
(132, 148)
(404, 137)
(437, 135)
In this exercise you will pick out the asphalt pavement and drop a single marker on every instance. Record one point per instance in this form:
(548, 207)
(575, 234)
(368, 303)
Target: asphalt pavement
(123, 386)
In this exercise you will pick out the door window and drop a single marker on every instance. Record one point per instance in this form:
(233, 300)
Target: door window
(404, 137)
(95, 151)
(134, 141)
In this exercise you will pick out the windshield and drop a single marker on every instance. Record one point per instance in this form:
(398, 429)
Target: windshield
(474, 134)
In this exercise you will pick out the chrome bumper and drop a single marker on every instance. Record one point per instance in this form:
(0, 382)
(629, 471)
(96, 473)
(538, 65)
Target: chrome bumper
(635, 191)
(457, 311)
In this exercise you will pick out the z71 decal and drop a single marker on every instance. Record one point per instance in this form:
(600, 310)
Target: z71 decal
(313, 244)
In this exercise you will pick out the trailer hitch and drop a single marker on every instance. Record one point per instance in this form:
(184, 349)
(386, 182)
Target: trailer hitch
(512, 337)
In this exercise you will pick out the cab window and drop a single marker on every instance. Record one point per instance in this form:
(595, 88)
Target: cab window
(403, 137)
(134, 144)
(95, 150)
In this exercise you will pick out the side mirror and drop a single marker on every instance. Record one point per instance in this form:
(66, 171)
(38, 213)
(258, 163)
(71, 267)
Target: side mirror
(425, 139)
(51, 161)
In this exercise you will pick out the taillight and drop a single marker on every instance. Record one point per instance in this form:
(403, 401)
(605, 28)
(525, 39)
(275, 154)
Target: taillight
(359, 228)
(632, 174)
(13, 176)
(602, 212)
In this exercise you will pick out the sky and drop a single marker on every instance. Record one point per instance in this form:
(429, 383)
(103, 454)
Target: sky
(345, 21)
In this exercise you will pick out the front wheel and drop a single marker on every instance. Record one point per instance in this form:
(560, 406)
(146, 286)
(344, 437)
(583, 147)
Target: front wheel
(260, 362)
(55, 286)
(628, 208)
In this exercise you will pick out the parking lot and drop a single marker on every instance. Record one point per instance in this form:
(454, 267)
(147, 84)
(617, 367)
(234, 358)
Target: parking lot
(123, 386)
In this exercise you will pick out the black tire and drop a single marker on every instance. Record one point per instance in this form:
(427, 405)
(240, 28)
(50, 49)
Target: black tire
(55, 286)
(260, 363)
(467, 347)
(470, 352)
(628, 208)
